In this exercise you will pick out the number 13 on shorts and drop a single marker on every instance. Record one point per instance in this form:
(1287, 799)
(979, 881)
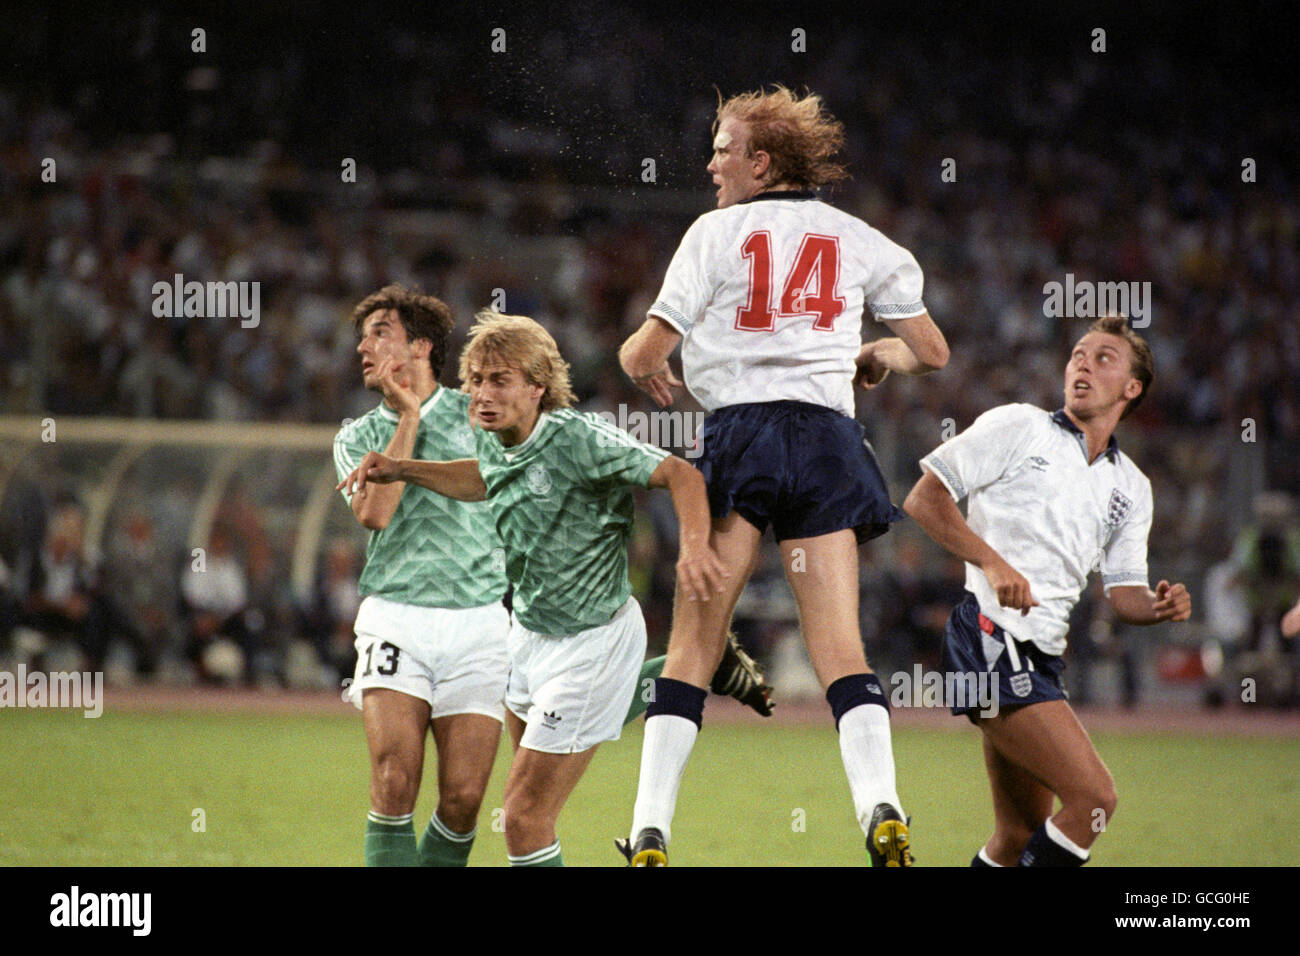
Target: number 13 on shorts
(388, 666)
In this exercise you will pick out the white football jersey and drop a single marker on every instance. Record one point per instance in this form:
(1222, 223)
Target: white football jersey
(769, 296)
(1052, 515)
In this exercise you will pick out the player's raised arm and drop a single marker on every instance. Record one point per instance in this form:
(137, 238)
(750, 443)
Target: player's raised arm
(454, 479)
(918, 349)
(699, 570)
(1141, 605)
(644, 357)
(392, 379)
(931, 506)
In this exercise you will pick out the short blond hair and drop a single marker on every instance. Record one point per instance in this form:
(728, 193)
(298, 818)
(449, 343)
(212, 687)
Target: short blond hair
(521, 343)
(1142, 366)
(797, 132)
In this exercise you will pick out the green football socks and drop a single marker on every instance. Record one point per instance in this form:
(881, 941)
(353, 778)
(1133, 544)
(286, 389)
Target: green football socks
(442, 846)
(390, 841)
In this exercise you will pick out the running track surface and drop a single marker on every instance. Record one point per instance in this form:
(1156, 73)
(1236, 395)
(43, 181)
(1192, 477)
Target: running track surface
(1244, 720)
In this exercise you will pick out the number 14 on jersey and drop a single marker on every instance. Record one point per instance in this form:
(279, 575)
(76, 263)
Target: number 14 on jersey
(810, 286)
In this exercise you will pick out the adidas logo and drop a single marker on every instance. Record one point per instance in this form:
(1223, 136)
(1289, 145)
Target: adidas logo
(551, 719)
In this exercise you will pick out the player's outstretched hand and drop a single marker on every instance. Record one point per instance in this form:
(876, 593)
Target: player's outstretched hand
(1172, 603)
(659, 385)
(700, 572)
(374, 467)
(1011, 587)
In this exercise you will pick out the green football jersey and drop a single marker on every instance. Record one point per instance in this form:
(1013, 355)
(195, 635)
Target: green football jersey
(563, 506)
(436, 551)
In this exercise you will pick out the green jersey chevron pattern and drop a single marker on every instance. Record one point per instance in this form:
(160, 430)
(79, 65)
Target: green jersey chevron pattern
(563, 506)
(436, 552)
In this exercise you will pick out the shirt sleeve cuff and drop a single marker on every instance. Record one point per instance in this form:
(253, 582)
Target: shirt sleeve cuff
(904, 310)
(935, 466)
(673, 317)
(1124, 579)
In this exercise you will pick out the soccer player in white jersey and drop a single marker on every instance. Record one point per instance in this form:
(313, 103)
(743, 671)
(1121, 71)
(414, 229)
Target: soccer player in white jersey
(766, 294)
(431, 630)
(1051, 498)
(559, 485)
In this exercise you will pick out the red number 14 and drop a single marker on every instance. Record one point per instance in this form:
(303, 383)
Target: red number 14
(809, 288)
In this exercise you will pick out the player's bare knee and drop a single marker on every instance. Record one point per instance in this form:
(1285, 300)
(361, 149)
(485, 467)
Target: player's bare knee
(1094, 799)
(528, 825)
(458, 806)
(393, 786)
(1107, 800)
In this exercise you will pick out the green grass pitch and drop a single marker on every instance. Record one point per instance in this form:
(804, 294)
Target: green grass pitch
(123, 790)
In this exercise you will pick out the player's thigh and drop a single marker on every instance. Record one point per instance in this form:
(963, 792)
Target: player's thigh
(515, 727)
(1021, 802)
(1048, 741)
(699, 627)
(395, 727)
(467, 748)
(823, 574)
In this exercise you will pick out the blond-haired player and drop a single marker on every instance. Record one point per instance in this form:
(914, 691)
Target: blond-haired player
(766, 295)
(559, 485)
(1051, 496)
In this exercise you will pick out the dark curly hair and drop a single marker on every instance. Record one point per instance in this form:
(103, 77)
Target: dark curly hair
(422, 316)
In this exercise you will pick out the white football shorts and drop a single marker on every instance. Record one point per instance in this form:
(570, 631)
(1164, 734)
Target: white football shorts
(574, 691)
(455, 659)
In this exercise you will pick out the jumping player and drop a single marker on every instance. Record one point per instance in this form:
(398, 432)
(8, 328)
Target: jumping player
(431, 630)
(559, 486)
(766, 294)
(1051, 498)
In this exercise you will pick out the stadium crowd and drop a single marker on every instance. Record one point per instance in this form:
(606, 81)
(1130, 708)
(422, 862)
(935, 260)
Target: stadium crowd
(230, 171)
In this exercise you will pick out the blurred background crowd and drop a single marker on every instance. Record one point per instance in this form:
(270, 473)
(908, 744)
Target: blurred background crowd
(520, 178)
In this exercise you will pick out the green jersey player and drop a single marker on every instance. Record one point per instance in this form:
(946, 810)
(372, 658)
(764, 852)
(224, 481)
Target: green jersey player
(431, 629)
(559, 485)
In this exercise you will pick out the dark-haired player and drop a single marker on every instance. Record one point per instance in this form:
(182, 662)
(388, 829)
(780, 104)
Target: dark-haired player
(431, 630)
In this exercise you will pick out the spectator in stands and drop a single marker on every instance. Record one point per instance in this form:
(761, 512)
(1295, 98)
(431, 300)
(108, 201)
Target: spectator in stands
(334, 608)
(62, 596)
(224, 631)
(142, 577)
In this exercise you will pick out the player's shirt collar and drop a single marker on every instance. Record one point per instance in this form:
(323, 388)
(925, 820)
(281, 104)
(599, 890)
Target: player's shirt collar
(780, 194)
(1063, 420)
(514, 451)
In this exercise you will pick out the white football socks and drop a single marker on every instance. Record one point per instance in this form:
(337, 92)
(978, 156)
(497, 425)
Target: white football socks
(667, 747)
(868, 755)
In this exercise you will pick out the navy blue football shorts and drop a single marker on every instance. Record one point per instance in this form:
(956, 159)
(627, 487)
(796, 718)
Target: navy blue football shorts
(1025, 675)
(804, 469)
